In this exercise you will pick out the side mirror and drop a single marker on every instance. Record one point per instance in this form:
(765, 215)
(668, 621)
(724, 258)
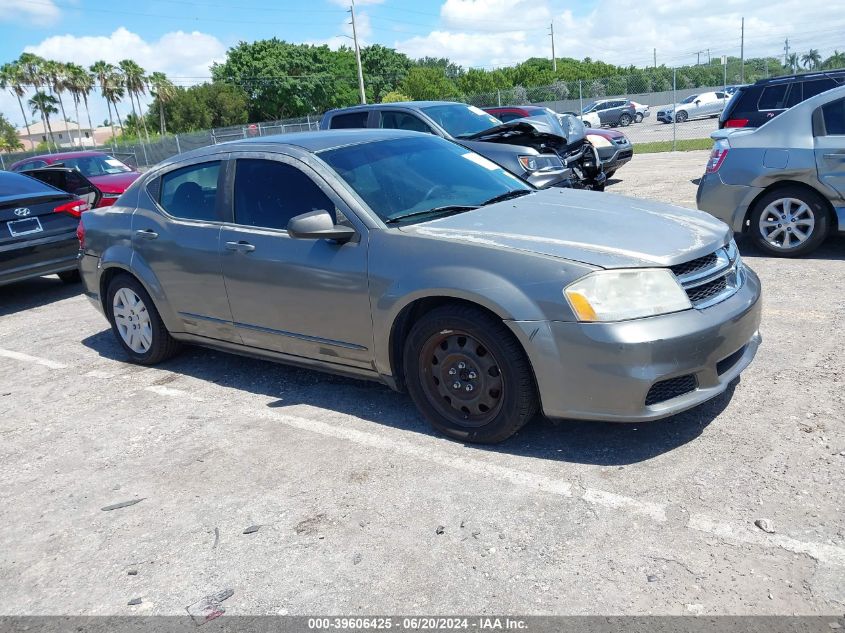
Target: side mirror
(698, 102)
(318, 225)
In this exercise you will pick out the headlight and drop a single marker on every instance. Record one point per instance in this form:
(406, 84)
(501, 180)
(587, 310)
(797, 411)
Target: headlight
(616, 295)
(541, 162)
(598, 141)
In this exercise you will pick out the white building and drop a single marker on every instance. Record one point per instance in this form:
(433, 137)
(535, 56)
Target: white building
(66, 135)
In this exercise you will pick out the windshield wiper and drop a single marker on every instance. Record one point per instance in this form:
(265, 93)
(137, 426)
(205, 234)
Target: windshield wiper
(445, 210)
(517, 193)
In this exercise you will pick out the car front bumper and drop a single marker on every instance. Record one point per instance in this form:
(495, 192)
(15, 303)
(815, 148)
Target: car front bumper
(606, 371)
(729, 203)
(612, 158)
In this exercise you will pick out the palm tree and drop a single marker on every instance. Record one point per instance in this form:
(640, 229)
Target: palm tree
(163, 90)
(46, 105)
(75, 81)
(811, 59)
(55, 72)
(792, 61)
(12, 78)
(136, 84)
(103, 71)
(115, 91)
(32, 69)
(837, 60)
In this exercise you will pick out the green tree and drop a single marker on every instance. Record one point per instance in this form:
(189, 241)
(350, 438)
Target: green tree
(9, 141)
(428, 83)
(837, 60)
(204, 106)
(44, 104)
(162, 90)
(384, 69)
(136, 85)
(12, 79)
(80, 83)
(811, 59)
(394, 97)
(55, 75)
(111, 87)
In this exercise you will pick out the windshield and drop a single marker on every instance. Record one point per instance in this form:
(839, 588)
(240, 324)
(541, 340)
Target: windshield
(690, 99)
(398, 177)
(96, 165)
(461, 120)
(589, 108)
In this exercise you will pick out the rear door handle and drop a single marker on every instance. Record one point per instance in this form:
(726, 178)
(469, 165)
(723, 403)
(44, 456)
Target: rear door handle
(836, 156)
(242, 247)
(146, 234)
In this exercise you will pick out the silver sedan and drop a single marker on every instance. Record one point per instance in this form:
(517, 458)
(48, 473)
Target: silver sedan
(404, 258)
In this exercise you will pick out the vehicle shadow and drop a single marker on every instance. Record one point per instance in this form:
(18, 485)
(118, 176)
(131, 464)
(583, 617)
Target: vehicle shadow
(34, 293)
(832, 249)
(598, 443)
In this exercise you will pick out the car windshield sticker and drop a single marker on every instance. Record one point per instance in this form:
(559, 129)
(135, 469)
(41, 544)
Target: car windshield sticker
(476, 110)
(480, 160)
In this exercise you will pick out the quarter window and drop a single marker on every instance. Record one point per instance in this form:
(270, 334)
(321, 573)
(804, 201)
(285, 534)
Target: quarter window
(350, 120)
(773, 98)
(190, 193)
(269, 193)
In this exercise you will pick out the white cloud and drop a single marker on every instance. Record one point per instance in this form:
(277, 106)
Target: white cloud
(611, 31)
(184, 57)
(362, 25)
(39, 12)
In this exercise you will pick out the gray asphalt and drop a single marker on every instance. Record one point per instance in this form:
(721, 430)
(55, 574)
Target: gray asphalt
(360, 508)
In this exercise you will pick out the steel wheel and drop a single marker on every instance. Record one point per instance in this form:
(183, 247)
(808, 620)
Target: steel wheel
(461, 378)
(132, 320)
(787, 223)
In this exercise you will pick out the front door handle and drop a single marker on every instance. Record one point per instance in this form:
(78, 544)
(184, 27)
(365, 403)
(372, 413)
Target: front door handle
(241, 247)
(146, 234)
(836, 156)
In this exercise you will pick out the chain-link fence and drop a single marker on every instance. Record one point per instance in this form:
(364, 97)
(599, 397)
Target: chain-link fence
(700, 93)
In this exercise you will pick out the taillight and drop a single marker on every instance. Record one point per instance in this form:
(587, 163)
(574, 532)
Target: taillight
(80, 235)
(736, 122)
(74, 207)
(717, 157)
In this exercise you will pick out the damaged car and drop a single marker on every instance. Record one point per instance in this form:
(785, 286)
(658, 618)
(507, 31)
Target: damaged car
(544, 151)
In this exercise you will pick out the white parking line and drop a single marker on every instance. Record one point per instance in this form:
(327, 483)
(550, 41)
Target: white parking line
(36, 360)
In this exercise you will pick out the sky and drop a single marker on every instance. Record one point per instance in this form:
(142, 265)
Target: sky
(183, 37)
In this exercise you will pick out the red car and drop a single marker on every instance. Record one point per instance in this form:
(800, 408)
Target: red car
(111, 176)
(613, 147)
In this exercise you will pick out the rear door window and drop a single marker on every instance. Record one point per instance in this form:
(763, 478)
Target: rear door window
(773, 97)
(190, 193)
(812, 88)
(833, 114)
(794, 97)
(269, 193)
(403, 121)
(350, 120)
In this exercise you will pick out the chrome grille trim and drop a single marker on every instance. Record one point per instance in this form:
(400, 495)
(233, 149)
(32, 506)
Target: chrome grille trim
(727, 266)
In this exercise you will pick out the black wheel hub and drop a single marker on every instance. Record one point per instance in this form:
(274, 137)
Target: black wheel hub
(461, 378)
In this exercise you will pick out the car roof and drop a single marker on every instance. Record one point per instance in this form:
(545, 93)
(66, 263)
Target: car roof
(414, 105)
(527, 108)
(61, 156)
(838, 73)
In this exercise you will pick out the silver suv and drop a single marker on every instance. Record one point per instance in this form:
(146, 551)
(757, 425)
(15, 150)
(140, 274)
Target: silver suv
(784, 182)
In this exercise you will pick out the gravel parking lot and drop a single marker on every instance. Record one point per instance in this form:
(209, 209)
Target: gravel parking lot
(361, 509)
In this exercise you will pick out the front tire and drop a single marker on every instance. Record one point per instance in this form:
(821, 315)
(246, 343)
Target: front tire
(789, 222)
(136, 323)
(681, 117)
(468, 375)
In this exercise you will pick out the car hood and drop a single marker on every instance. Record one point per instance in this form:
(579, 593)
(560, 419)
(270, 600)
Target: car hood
(601, 229)
(608, 134)
(115, 183)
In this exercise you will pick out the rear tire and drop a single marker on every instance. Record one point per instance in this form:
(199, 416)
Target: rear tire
(136, 323)
(70, 276)
(789, 222)
(468, 375)
(625, 120)
(638, 117)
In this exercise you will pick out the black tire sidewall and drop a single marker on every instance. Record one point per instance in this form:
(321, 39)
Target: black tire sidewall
(70, 276)
(625, 120)
(812, 200)
(682, 117)
(162, 342)
(512, 415)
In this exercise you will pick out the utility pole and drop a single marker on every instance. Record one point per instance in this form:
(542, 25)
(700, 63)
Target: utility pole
(655, 58)
(708, 56)
(742, 54)
(552, 34)
(698, 58)
(357, 55)
(786, 52)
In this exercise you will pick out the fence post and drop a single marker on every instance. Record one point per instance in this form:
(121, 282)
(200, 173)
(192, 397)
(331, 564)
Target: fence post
(499, 97)
(213, 137)
(146, 158)
(674, 106)
(178, 148)
(258, 125)
(2, 163)
(580, 99)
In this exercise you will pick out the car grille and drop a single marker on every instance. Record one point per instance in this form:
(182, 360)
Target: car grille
(713, 278)
(625, 154)
(671, 388)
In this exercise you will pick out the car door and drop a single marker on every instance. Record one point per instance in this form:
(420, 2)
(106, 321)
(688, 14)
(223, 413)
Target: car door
(306, 298)
(177, 237)
(829, 133)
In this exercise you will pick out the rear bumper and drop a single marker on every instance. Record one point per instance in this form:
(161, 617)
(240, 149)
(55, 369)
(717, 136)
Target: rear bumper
(607, 371)
(37, 257)
(729, 203)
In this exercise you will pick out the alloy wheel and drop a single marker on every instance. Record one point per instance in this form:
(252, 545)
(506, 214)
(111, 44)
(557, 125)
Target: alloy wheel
(132, 320)
(787, 223)
(462, 378)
